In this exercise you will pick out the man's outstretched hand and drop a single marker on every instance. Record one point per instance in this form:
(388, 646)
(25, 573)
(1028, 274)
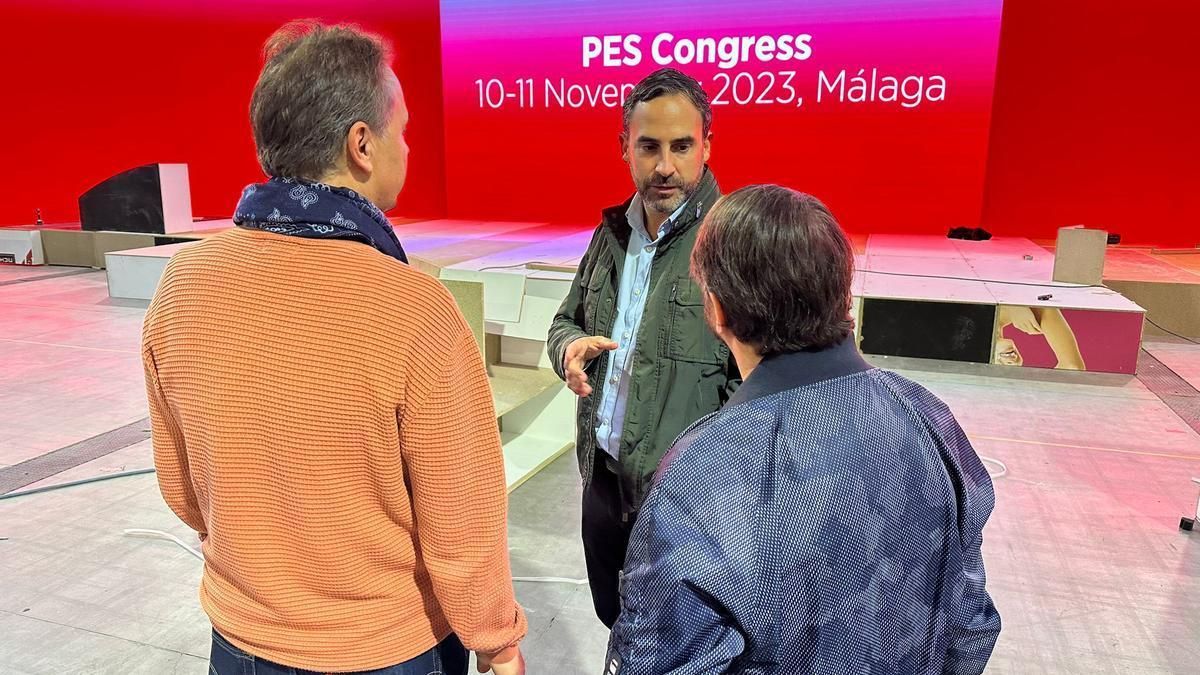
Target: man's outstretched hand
(579, 354)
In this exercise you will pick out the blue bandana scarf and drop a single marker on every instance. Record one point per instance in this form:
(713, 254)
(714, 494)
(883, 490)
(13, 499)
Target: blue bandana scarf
(315, 210)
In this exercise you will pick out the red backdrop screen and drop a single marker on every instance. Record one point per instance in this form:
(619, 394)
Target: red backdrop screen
(879, 107)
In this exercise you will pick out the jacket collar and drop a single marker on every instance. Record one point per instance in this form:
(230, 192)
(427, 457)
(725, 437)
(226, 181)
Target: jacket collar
(693, 212)
(798, 369)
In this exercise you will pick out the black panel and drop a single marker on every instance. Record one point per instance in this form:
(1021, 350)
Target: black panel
(130, 201)
(949, 331)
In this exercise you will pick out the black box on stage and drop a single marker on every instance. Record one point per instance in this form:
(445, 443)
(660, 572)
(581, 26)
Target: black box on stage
(150, 199)
(950, 331)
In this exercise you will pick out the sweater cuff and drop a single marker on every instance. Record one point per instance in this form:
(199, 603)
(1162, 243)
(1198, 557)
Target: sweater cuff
(507, 654)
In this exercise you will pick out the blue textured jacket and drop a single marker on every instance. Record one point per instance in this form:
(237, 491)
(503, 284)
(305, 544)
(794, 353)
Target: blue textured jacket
(827, 520)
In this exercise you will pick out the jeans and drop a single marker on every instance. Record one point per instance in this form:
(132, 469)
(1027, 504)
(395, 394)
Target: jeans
(447, 658)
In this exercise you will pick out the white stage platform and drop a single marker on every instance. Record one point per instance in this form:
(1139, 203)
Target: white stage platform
(21, 247)
(1002, 271)
(510, 260)
(988, 302)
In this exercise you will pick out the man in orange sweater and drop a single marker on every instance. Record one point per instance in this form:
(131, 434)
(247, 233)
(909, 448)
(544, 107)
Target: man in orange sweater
(321, 412)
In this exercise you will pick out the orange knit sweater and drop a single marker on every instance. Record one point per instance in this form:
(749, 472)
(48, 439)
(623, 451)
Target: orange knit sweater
(322, 417)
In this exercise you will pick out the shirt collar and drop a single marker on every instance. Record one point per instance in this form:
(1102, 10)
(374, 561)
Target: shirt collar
(636, 216)
(782, 372)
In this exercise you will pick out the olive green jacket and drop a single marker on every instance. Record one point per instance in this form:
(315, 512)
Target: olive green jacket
(681, 371)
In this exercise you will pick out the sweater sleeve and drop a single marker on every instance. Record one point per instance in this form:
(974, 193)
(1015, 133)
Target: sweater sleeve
(170, 453)
(450, 442)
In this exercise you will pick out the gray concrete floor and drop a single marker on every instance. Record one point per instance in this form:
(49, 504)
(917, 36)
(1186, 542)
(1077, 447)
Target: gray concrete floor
(1084, 557)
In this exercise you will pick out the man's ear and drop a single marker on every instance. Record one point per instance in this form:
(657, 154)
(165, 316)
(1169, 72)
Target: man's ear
(360, 148)
(716, 312)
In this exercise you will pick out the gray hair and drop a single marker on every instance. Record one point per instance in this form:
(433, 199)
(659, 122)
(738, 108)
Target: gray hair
(317, 82)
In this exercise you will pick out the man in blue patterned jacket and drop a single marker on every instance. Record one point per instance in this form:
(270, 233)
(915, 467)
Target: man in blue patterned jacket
(829, 518)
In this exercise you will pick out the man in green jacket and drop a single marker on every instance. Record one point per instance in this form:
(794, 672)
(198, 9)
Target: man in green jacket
(630, 338)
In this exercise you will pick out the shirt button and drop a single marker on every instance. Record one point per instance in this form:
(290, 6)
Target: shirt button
(614, 379)
(637, 291)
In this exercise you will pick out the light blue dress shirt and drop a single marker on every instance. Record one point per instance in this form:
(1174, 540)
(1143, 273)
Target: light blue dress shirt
(631, 304)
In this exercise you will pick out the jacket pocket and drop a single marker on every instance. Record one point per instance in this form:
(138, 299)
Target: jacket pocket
(690, 338)
(593, 294)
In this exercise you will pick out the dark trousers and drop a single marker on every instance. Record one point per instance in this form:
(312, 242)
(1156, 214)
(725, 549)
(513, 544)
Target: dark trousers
(605, 537)
(448, 658)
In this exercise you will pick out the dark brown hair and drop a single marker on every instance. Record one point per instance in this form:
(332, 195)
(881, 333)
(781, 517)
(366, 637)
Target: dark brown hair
(317, 82)
(665, 82)
(781, 267)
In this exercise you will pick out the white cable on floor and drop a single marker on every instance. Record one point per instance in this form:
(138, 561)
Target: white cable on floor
(157, 534)
(551, 580)
(1002, 465)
